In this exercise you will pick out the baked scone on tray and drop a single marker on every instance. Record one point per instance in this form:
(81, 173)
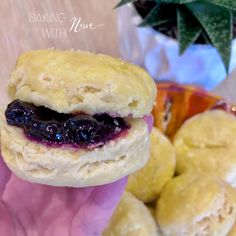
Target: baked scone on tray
(196, 205)
(147, 183)
(207, 143)
(76, 118)
(131, 218)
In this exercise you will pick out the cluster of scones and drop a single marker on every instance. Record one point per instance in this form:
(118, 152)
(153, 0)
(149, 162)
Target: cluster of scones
(187, 188)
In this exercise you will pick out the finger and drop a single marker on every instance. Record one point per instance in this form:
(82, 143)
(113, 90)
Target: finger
(94, 215)
(149, 120)
(5, 175)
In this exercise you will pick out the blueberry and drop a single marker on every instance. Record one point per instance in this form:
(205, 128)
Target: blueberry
(32, 130)
(119, 122)
(81, 128)
(19, 113)
(53, 131)
(107, 120)
(103, 118)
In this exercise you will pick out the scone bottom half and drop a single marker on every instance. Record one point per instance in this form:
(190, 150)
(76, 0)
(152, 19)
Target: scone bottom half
(76, 119)
(55, 129)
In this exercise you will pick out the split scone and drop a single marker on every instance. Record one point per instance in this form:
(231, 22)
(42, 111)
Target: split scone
(131, 218)
(147, 183)
(76, 119)
(196, 205)
(207, 143)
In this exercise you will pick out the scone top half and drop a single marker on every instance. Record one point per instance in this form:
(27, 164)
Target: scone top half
(76, 118)
(72, 81)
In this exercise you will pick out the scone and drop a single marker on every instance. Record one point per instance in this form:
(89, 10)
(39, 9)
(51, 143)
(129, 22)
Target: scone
(207, 143)
(196, 205)
(131, 218)
(76, 119)
(147, 183)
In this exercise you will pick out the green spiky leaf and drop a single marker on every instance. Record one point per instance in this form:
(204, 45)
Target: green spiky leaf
(217, 22)
(170, 1)
(188, 28)
(156, 17)
(230, 4)
(178, 1)
(214, 16)
(123, 2)
(186, 1)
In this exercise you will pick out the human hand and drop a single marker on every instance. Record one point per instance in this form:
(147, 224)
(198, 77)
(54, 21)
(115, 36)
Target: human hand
(28, 209)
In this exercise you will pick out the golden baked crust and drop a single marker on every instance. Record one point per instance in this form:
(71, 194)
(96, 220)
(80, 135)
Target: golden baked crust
(72, 81)
(207, 143)
(196, 205)
(131, 218)
(66, 166)
(147, 183)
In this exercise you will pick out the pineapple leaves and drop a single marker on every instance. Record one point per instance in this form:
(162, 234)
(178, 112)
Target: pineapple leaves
(217, 23)
(177, 1)
(156, 17)
(186, 1)
(188, 29)
(229, 4)
(212, 19)
(123, 2)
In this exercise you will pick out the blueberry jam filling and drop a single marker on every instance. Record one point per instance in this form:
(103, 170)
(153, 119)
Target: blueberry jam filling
(47, 126)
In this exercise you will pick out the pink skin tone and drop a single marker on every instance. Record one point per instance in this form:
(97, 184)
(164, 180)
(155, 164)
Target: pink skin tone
(28, 209)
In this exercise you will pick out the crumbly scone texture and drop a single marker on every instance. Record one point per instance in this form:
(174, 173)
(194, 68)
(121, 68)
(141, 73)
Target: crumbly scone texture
(77, 81)
(196, 205)
(131, 218)
(147, 183)
(75, 167)
(207, 143)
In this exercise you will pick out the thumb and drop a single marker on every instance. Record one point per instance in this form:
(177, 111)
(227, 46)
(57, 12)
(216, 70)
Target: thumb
(5, 175)
(149, 120)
